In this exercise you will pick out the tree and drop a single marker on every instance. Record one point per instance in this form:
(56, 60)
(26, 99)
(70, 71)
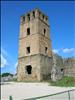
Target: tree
(6, 74)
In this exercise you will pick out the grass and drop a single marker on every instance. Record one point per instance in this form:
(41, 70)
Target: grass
(64, 82)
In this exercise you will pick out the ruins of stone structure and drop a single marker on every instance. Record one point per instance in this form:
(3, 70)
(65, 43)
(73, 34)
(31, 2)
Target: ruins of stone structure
(35, 51)
(62, 67)
(36, 62)
(69, 66)
(57, 71)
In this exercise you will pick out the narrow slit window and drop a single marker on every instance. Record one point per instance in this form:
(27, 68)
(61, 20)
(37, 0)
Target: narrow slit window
(33, 14)
(46, 49)
(28, 31)
(28, 50)
(44, 32)
(23, 18)
(43, 17)
(39, 14)
(28, 17)
(46, 18)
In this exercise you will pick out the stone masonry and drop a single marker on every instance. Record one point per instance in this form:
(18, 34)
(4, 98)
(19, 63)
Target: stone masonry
(57, 71)
(35, 51)
(36, 61)
(69, 66)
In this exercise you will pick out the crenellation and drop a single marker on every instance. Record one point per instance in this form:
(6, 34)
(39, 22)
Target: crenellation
(32, 15)
(37, 13)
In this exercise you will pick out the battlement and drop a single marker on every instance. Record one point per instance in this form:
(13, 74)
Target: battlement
(36, 13)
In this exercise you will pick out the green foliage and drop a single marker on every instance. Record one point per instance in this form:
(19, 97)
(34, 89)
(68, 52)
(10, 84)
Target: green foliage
(65, 81)
(10, 98)
(6, 74)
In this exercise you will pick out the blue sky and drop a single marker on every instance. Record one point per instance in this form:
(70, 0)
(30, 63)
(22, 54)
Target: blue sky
(62, 25)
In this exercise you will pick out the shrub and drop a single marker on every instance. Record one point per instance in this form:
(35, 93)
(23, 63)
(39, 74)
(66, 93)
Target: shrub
(65, 81)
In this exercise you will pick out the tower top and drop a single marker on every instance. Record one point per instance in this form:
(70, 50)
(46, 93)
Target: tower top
(35, 13)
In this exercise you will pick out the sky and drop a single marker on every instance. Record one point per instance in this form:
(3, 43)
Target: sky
(62, 28)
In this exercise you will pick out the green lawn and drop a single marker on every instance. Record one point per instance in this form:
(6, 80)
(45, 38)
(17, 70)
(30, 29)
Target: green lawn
(64, 82)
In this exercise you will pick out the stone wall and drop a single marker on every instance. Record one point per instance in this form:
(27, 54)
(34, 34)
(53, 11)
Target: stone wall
(37, 40)
(57, 68)
(34, 61)
(45, 67)
(41, 68)
(69, 67)
(62, 67)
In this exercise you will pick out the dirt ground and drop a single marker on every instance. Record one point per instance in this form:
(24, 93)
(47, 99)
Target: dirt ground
(21, 91)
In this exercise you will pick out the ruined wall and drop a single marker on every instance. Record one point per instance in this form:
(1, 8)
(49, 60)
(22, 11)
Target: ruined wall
(43, 43)
(37, 40)
(41, 68)
(57, 71)
(34, 61)
(62, 67)
(69, 67)
(45, 67)
(32, 41)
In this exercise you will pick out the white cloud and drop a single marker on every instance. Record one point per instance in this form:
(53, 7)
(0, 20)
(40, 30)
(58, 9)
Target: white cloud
(64, 50)
(4, 55)
(3, 61)
(68, 50)
(4, 52)
(55, 50)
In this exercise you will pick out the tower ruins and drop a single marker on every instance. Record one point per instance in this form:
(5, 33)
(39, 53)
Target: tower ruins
(35, 51)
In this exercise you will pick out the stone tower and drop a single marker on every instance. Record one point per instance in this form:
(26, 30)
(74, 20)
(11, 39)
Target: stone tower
(35, 53)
